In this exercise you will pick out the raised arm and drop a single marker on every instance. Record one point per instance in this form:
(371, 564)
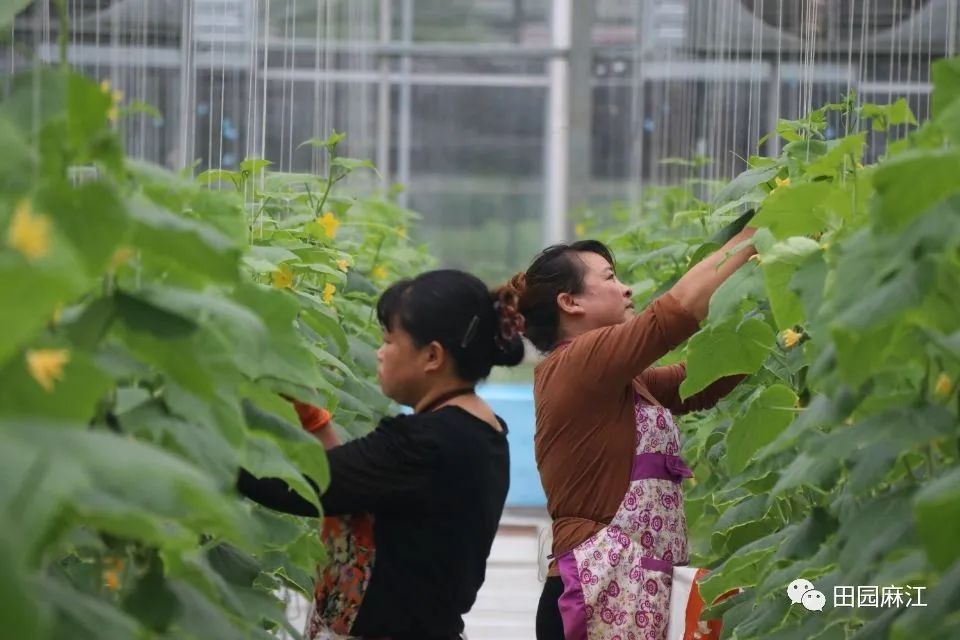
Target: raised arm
(611, 356)
(697, 285)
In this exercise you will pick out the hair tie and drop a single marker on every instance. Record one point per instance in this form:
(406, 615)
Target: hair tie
(512, 323)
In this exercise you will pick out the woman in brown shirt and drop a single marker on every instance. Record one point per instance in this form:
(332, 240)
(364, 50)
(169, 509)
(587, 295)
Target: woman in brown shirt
(606, 445)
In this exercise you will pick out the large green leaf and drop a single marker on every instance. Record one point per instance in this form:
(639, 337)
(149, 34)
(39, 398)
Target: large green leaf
(181, 241)
(912, 182)
(874, 529)
(112, 468)
(17, 162)
(75, 396)
(946, 82)
(20, 615)
(938, 620)
(796, 210)
(766, 417)
(746, 181)
(937, 510)
(34, 291)
(745, 285)
(842, 154)
(265, 459)
(724, 350)
(91, 216)
(205, 447)
(780, 262)
(298, 445)
(84, 616)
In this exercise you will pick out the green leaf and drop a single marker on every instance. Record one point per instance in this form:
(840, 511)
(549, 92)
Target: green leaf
(902, 290)
(745, 284)
(796, 209)
(220, 175)
(330, 143)
(724, 350)
(938, 620)
(873, 529)
(74, 396)
(842, 154)
(914, 181)
(779, 263)
(745, 182)
(10, 9)
(252, 166)
(113, 493)
(188, 243)
(765, 418)
(151, 601)
(299, 446)
(92, 218)
(946, 84)
(888, 115)
(20, 615)
(83, 616)
(17, 162)
(33, 291)
(937, 510)
(351, 164)
(204, 446)
(265, 459)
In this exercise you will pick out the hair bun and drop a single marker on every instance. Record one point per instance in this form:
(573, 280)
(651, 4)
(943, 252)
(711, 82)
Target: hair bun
(518, 283)
(509, 353)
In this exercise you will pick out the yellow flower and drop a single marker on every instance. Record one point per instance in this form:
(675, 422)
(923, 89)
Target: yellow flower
(403, 232)
(121, 257)
(111, 577)
(944, 386)
(580, 229)
(343, 265)
(29, 232)
(328, 291)
(785, 182)
(46, 366)
(116, 97)
(379, 272)
(859, 165)
(111, 580)
(329, 223)
(282, 278)
(790, 338)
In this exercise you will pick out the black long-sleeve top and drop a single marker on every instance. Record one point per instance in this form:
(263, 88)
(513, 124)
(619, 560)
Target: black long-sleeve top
(436, 484)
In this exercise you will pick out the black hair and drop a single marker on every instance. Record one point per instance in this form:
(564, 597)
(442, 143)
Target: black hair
(556, 270)
(457, 310)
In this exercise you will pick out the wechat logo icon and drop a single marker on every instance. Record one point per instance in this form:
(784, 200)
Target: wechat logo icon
(803, 592)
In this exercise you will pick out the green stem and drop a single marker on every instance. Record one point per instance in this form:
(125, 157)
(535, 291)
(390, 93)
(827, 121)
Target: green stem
(910, 472)
(64, 35)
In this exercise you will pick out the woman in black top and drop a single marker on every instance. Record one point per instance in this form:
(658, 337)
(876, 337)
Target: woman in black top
(435, 481)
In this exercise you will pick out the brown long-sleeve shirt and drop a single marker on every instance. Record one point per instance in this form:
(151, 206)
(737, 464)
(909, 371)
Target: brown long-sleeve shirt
(584, 397)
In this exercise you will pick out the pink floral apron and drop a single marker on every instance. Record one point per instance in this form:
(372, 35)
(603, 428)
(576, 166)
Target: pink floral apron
(617, 582)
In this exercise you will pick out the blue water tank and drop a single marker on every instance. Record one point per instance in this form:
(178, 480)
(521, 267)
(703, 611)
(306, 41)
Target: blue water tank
(514, 403)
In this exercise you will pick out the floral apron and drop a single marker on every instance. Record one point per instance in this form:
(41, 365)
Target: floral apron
(342, 582)
(617, 582)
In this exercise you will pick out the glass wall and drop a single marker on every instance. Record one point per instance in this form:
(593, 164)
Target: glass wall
(476, 106)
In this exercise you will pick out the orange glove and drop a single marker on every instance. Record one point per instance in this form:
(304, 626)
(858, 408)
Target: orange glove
(312, 418)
